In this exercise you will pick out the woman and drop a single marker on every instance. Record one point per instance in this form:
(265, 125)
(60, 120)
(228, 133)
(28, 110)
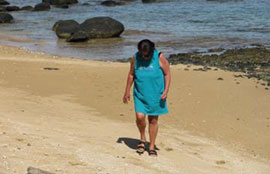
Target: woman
(150, 72)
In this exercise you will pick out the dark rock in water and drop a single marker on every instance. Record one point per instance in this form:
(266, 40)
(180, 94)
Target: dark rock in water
(5, 18)
(62, 6)
(42, 7)
(66, 28)
(32, 170)
(102, 27)
(64, 23)
(12, 8)
(79, 36)
(27, 8)
(85, 4)
(148, 1)
(60, 2)
(3, 2)
(111, 3)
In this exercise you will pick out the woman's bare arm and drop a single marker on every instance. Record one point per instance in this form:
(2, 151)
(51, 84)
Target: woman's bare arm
(130, 80)
(165, 66)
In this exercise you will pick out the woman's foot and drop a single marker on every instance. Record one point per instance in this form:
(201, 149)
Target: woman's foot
(152, 153)
(141, 147)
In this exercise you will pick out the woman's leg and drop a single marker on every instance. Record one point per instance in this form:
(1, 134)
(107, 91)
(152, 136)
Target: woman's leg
(153, 130)
(141, 124)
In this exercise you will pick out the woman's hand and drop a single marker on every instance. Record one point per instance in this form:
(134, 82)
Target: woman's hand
(164, 95)
(126, 98)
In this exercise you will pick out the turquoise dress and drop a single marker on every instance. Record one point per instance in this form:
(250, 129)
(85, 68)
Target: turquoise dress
(149, 84)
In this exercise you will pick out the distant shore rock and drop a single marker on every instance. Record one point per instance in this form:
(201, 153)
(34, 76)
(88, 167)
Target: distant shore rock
(27, 8)
(3, 2)
(111, 3)
(102, 27)
(65, 6)
(13, 8)
(60, 2)
(6, 18)
(42, 7)
(64, 29)
(148, 1)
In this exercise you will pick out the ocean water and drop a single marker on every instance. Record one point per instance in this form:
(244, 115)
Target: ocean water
(175, 25)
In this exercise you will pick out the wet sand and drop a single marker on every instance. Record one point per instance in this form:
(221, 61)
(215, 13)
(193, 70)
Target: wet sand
(66, 116)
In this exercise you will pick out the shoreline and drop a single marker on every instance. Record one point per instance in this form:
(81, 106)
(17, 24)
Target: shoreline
(199, 104)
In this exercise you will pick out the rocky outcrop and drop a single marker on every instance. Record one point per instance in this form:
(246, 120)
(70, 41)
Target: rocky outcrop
(5, 18)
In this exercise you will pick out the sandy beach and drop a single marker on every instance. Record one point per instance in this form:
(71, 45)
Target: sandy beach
(66, 115)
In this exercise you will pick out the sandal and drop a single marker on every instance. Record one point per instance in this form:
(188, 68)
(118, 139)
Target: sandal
(152, 153)
(140, 147)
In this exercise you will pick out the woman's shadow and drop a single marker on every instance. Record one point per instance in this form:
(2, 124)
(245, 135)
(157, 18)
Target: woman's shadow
(132, 143)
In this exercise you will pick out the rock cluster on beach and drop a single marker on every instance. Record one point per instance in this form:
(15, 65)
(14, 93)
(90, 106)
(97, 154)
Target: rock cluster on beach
(253, 61)
(97, 27)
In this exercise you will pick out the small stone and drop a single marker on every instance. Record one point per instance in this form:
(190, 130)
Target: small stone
(50, 68)
(220, 78)
(266, 88)
(28, 144)
(186, 69)
(237, 83)
(121, 114)
(123, 157)
(238, 119)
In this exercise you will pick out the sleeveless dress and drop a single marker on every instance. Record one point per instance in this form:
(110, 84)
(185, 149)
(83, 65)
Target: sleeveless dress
(149, 84)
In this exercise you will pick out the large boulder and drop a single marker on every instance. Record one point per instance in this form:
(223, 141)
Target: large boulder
(5, 18)
(12, 8)
(42, 7)
(65, 29)
(102, 27)
(79, 36)
(3, 2)
(60, 2)
(64, 23)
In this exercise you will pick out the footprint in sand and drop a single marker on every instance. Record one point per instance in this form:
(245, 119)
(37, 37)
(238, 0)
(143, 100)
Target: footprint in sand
(220, 162)
(168, 149)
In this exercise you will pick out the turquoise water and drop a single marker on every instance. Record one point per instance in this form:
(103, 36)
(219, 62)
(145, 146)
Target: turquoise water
(176, 26)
